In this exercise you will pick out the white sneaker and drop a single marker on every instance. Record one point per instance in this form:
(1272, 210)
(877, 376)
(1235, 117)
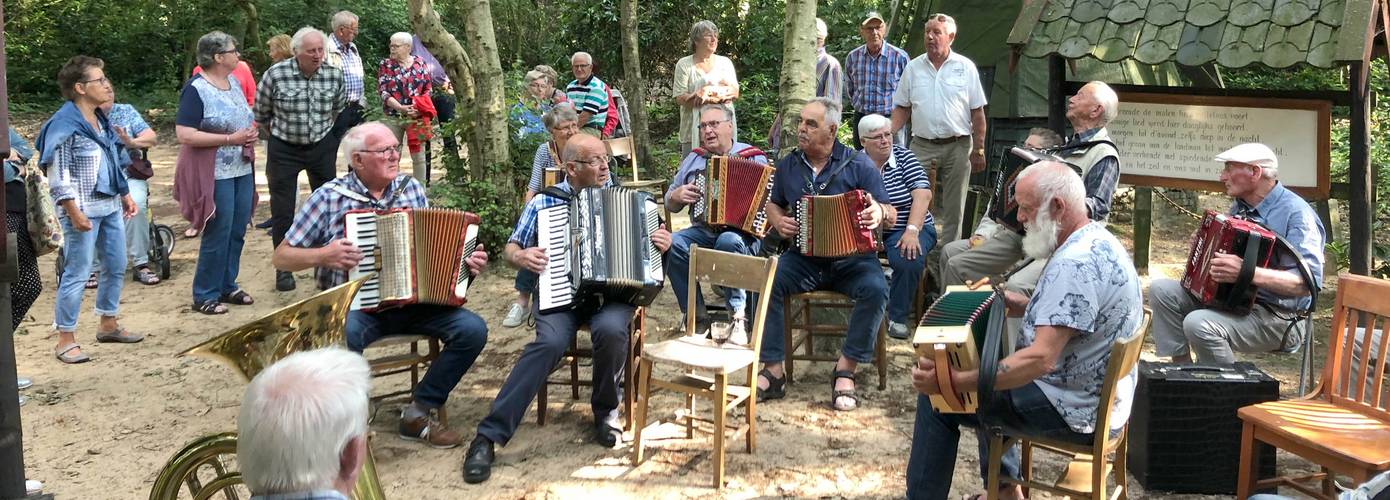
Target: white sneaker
(25, 383)
(31, 487)
(515, 316)
(897, 330)
(739, 335)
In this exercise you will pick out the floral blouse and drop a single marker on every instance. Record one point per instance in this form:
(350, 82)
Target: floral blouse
(404, 84)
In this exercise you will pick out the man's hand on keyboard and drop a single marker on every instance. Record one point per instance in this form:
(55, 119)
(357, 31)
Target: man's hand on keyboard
(531, 258)
(340, 254)
(477, 261)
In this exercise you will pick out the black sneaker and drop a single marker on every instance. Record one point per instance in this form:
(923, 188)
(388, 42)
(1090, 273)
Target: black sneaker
(606, 435)
(265, 224)
(477, 463)
(284, 281)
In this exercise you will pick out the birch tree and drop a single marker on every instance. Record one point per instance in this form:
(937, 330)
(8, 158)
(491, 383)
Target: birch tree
(798, 80)
(636, 87)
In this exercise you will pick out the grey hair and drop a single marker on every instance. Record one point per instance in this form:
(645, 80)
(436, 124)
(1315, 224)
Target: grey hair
(1049, 138)
(211, 44)
(534, 75)
(1056, 180)
(832, 110)
(561, 113)
(948, 21)
(342, 18)
(402, 37)
(298, 416)
(728, 112)
(297, 40)
(872, 122)
(356, 138)
(550, 73)
(1108, 100)
(821, 31)
(582, 55)
(699, 30)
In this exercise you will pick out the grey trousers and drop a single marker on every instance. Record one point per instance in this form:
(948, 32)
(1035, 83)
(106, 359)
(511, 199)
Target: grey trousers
(952, 167)
(1182, 326)
(995, 255)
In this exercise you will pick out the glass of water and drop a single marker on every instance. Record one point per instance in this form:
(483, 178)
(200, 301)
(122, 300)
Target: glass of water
(719, 331)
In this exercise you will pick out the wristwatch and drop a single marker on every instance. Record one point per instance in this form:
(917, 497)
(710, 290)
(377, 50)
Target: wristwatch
(980, 151)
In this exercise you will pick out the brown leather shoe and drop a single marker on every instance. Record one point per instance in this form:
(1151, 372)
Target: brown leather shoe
(429, 431)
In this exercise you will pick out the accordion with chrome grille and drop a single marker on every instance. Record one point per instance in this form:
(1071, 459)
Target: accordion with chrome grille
(418, 255)
(734, 191)
(829, 225)
(599, 247)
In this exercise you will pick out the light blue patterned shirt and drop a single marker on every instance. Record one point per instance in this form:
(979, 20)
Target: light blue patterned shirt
(1089, 286)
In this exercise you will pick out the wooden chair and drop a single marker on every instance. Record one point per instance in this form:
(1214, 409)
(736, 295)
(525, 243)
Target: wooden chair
(1086, 475)
(797, 310)
(707, 365)
(1341, 425)
(413, 361)
(623, 146)
(571, 359)
(209, 458)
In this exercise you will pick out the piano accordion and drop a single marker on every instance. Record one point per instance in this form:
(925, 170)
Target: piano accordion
(600, 249)
(1003, 205)
(418, 255)
(734, 191)
(1236, 236)
(830, 225)
(952, 334)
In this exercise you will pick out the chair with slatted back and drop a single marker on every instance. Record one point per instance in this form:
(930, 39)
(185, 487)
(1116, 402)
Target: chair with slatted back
(1085, 476)
(206, 467)
(797, 309)
(624, 147)
(569, 362)
(402, 354)
(1343, 425)
(705, 365)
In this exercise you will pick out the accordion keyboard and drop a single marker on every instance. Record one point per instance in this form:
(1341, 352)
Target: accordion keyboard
(552, 234)
(361, 230)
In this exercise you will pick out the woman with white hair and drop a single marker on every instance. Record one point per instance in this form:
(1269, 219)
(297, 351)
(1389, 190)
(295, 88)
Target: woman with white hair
(703, 78)
(403, 80)
(540, 96)
(912, 233)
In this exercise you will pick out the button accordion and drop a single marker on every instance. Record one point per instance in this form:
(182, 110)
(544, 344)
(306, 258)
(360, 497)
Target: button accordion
(1003, 205)
(417, 254)
(1232, 235)
(829, 225)
(952, 334)
(734, 191)
(599, 247)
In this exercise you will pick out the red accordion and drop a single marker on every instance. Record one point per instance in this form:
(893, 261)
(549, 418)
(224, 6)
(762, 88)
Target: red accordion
(1227, 234)
(829, 225)
(733, 192)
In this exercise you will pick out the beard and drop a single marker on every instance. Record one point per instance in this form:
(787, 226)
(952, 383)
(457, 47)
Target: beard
(1041, 238)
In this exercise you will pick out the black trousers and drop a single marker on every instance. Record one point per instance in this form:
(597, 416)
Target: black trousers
(283, 163)
(351, 116)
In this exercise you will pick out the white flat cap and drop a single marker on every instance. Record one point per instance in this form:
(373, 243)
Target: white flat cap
(1252, 153)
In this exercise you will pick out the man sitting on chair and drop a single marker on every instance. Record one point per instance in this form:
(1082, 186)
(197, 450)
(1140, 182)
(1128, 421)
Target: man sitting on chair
(716, 139)
(317, 239)
(586, 165)
(302, 428)
(823, 166)
(1086, 300)
(1184, 330)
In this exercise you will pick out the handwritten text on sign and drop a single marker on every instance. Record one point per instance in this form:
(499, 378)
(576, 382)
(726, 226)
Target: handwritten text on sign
(1170, 140)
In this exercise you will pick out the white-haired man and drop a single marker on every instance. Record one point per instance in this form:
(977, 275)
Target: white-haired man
(940, 91)
(588, 94)
(342, 53)
(1088, 299)
(298, 100)
(1184, 330)
(302, 428)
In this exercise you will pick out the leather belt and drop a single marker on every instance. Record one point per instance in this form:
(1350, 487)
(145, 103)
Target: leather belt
(945, 140)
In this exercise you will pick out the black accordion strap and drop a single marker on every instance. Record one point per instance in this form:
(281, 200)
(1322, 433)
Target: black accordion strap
(989, 363)
(1247, 269)
(556, 192)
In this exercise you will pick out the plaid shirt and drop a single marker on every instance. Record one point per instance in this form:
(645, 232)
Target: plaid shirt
(871, 80)
(346, 58)
(300, 109)
(829, 77)
(320, 220)
(525, 232)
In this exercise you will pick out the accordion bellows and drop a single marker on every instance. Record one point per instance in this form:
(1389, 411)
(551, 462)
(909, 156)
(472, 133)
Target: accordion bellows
(952, 333)
(830, 225)
(734, 191)
(418, 255)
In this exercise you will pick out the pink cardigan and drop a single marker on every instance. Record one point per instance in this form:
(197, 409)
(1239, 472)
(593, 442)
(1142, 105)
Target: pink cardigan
(194, 182)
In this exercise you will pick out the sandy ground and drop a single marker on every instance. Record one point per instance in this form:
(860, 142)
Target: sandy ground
(103, 429)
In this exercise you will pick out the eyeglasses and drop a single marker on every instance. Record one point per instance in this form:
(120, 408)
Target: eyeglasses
(103, 80)
(886, 136)
(601, 160)
(232, 51)
(712, 124)
(383, 152)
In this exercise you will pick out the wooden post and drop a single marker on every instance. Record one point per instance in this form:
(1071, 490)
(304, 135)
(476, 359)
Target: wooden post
(1143, 226)
(1359, 172)
(11, 430)
(1056, 94)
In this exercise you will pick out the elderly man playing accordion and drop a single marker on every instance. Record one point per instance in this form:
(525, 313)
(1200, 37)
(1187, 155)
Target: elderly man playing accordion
(1087, 299)
(716, 139)
(1184, 330)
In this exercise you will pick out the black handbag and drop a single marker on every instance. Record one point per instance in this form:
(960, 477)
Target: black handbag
(140, 168)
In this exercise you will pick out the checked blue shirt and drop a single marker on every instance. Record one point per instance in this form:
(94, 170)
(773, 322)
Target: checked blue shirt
(525, 232)
(320, 220)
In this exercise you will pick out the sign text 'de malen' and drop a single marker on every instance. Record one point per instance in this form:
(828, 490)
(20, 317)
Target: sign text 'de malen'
(1171, 140)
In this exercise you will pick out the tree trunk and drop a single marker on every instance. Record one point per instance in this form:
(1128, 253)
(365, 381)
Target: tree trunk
(798, 84)
(636, 91)
(915, 43)
(251, 43)
(490, 101)
(424, 20)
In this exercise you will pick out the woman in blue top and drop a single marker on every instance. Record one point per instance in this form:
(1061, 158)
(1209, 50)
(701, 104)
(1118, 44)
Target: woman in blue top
(912, 234)
(213, 114)
(134, 134)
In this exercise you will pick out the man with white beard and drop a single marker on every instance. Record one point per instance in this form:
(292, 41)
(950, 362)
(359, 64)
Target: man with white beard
(1087, 299)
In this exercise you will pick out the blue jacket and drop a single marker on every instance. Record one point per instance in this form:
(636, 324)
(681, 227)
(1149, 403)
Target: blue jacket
(68, 121)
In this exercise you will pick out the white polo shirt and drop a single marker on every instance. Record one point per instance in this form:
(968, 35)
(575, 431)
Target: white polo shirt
(941, 99)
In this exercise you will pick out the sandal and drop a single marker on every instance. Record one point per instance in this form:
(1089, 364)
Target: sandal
(210, 307)
(835, 395)
(191, 232)
(145, 276)
(64, 354)
(776, 387)
(91, 281)
(120, 336)
(238, 298)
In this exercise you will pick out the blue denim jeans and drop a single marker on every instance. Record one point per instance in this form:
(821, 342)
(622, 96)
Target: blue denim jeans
(219, 252)
(106, 240)
(935, 436)
(526, 281)
(906, 273)
(678, 263)
(463, 333)
(137, 229)
(858, 277)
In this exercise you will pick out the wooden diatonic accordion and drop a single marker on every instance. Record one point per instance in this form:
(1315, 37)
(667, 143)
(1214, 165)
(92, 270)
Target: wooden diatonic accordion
(418, 255)
(952, 334)
(830, 225)
(1232, 235)
(600, 248)
(734, 191)
(1003, 205)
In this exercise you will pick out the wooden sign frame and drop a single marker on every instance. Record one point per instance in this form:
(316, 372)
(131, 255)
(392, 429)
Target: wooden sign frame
(1324, 139)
